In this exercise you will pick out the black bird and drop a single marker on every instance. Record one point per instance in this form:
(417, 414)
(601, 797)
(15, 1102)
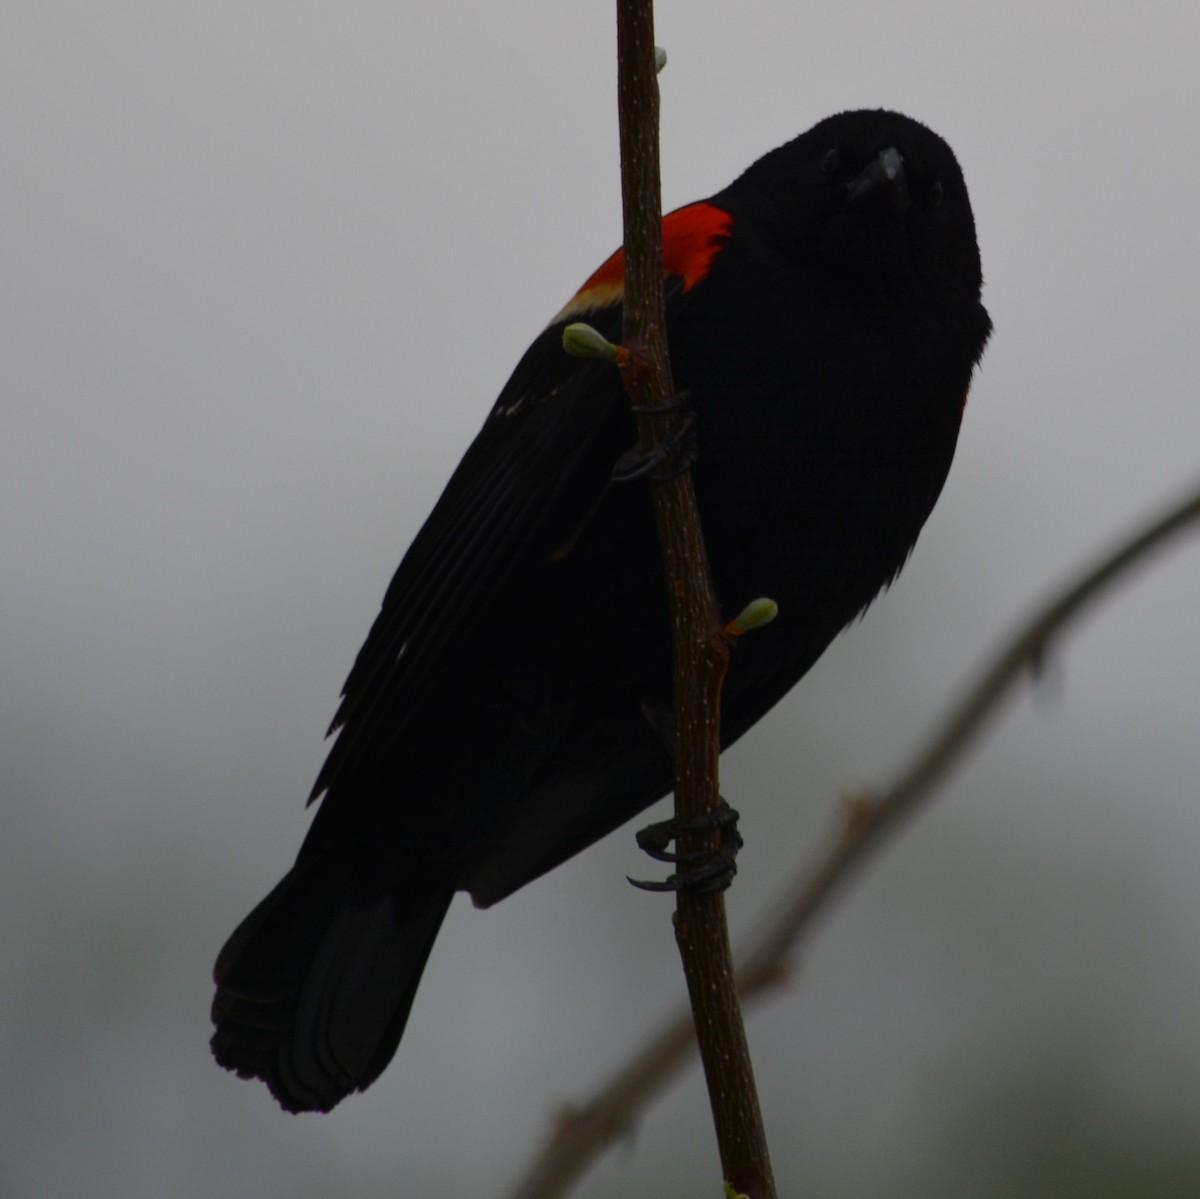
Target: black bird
(824, 319)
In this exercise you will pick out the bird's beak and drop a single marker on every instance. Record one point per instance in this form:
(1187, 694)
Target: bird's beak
(886, 169)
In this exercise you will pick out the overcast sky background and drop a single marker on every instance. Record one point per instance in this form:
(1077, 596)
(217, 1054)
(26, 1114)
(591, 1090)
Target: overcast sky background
(265, 265)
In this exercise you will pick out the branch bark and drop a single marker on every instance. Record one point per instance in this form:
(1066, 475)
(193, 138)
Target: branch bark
(701, 648)
(585, 1131)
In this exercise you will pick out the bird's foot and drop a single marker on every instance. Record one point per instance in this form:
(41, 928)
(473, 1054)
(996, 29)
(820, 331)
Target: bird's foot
(698, 873)
(674, 454)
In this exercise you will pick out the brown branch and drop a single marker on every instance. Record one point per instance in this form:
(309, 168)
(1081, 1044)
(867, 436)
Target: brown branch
(701, 648)
(584, 1132)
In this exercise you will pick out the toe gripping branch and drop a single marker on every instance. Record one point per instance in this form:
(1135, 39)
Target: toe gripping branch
(674, 454)
(698, 873)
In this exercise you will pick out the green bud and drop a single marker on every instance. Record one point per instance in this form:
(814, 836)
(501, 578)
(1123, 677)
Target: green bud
(754, 615)
(660, 59)
(585, 342)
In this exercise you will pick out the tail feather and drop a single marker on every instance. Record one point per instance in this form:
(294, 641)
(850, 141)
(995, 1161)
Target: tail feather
(314, 987)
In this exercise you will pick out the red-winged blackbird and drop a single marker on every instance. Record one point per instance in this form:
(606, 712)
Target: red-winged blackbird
(508, 706)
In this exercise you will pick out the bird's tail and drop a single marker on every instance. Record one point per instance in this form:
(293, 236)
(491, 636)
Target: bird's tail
(315, 986)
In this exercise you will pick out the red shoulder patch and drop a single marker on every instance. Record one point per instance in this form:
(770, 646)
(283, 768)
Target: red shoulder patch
(692, 238)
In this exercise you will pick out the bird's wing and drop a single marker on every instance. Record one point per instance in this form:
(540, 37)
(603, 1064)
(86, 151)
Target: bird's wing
(507, 496)
(490, 519)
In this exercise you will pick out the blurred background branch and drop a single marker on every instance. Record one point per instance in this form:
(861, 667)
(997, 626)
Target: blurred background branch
(585, 1130)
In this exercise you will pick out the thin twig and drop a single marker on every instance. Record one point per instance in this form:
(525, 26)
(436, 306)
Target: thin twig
(586, 1131)
(701, 648)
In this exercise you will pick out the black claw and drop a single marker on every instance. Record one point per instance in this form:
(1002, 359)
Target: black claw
(654, 839)
(675, 453)
(670, 884)
(704, 874)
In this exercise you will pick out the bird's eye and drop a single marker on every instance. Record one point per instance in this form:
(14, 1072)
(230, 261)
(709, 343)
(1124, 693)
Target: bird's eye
(937, 193)
(831, 161)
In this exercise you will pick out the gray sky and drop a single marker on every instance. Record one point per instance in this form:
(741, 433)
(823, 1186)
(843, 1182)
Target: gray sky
(265, 266)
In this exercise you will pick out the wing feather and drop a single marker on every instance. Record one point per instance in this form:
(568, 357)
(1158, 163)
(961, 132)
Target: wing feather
(491, 519)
